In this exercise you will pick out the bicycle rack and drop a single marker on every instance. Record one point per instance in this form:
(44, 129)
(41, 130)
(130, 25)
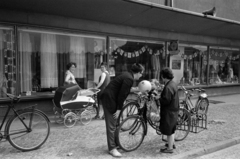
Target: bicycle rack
(198, 123)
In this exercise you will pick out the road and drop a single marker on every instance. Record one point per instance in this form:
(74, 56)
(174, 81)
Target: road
(231, 152)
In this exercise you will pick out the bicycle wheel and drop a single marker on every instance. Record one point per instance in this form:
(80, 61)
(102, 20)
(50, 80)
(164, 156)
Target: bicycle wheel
(183, 124)
(130, 133)
(202, 106)
(85, 117)
(28, 131)
(70, 119)
(130, 108)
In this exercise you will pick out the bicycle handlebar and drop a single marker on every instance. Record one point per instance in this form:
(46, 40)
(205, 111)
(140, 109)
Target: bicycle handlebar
(13, 97)
(193, 89)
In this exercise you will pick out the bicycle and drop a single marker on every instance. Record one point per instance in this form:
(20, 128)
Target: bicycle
(131, 107)
(201, 105)
(27, 129)
(133, 129)
(197, 111)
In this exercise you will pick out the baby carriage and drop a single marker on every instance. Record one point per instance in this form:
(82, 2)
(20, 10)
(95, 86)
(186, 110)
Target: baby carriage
(71, 103)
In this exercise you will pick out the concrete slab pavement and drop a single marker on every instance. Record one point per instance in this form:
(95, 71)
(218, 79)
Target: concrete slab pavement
(227, 100)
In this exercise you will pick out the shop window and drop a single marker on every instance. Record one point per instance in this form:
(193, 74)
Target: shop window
(125, 52)
(45, 54)
(224, 66)
(7, 62)
(190, 65)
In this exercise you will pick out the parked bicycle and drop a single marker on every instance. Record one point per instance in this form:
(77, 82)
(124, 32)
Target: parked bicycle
(133, 127)
(201, 104)
(194, 116)
(27, 129)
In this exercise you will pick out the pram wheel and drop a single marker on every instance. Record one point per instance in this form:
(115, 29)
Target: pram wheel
(70, 119)
(93, 110)
(85, 117)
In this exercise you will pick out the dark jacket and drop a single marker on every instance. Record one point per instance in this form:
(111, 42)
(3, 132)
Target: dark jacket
(117, 91)
(169, 108)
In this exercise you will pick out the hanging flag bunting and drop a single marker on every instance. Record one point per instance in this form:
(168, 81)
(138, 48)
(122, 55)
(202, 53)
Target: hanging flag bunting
(137, 52)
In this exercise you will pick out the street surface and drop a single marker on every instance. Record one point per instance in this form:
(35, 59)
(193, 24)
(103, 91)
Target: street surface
(231, 152)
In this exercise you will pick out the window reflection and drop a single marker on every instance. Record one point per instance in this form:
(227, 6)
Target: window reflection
(224, 66)
(125, 52)
(44, 56)
(193, 62)
(7, 62)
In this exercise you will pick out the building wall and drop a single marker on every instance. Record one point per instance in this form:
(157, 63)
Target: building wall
(229, 9)
(43, 20)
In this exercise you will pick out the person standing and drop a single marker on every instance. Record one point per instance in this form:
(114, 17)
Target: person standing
(69, 77)
(104, 80)
(113, 98)
(169, 101)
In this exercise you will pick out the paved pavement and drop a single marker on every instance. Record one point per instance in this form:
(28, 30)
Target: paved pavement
(227, 153)
(228, 149)
(209, 151)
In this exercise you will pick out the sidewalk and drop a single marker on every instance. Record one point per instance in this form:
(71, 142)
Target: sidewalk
(89, 141)
(220, 101)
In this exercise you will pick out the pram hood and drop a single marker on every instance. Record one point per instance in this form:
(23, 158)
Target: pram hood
(65, 93)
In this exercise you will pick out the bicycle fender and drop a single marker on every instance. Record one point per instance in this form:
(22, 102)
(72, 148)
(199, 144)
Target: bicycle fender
(39, 111)
(7, 124)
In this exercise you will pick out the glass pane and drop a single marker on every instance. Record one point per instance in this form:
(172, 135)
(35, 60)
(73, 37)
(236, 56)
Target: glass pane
(223, 66)
(190, 65)
(44, 56)
(7, 62)
(125, 52)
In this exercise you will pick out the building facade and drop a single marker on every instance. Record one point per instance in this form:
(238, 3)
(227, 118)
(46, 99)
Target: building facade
(37, 40)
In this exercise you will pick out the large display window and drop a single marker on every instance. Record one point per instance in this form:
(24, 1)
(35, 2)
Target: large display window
(190, 65)
(7, 61)
(224, 65)
(43, 56)
(125, 52)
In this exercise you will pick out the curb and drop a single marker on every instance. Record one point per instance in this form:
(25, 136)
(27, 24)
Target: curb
(208, 149)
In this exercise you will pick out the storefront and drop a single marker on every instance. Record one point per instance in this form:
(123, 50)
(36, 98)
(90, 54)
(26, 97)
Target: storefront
(34, 54)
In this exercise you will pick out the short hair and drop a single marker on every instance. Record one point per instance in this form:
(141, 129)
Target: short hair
(103, 64)
(166, 73)
(136, 68)
(69, 65)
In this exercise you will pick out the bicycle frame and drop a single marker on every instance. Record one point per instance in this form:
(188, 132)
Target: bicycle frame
(11, 107)
(28, 128)
(187, 100)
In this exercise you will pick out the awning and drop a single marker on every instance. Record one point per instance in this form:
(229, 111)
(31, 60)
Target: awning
(132, 13)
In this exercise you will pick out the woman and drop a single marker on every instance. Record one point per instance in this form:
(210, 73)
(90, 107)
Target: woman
(104, 80)
(69, 77)
(169, 101)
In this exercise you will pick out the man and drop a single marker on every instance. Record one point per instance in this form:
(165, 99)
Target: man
(169, 109)
(113, 97)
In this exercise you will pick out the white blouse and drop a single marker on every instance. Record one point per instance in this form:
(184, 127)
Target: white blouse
(69, 78)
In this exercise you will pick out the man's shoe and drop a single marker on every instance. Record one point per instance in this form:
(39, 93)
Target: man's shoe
(174, 146)
(166, 150)
(115, 153)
